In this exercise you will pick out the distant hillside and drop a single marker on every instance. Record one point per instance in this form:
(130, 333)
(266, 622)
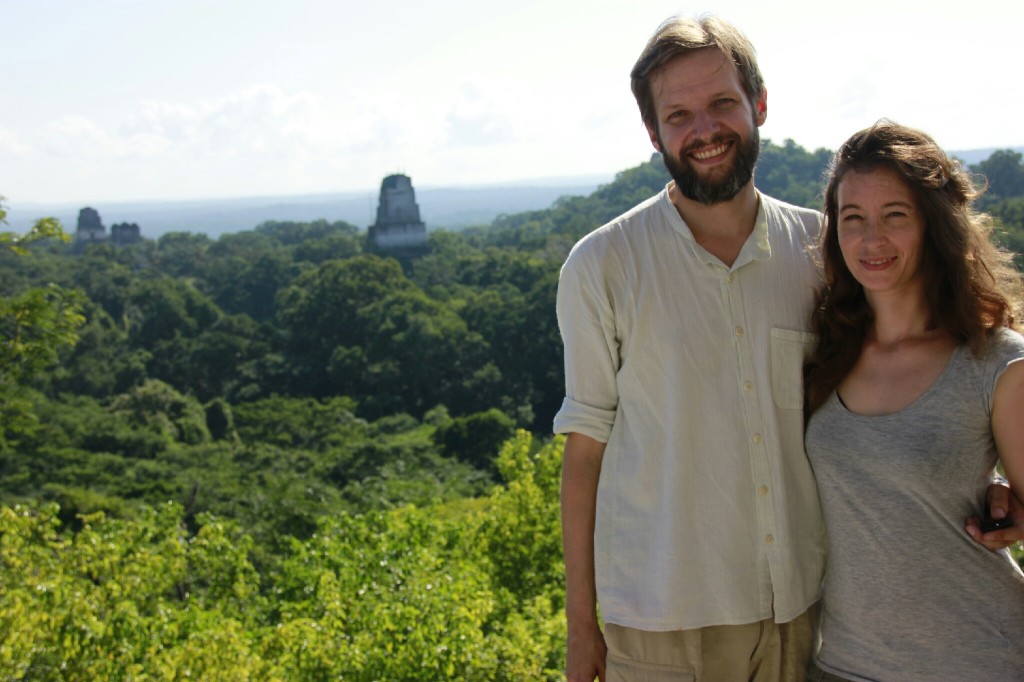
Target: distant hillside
(440, 207)
(973, 156)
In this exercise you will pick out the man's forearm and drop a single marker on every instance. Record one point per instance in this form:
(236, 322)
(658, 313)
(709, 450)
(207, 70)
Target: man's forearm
(581, 470)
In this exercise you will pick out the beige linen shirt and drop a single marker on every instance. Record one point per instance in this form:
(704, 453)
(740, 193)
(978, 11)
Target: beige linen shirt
(690, 371)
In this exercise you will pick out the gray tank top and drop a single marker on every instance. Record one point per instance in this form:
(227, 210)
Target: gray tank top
(908, 594)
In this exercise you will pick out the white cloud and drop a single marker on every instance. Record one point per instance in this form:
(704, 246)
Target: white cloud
(476, 118)
(75, 136)
(479, 128)
(11, 145)
(261, 120)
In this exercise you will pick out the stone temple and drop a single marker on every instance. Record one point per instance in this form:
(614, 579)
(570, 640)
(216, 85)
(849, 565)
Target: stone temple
(92, 231)
(398, 228)
(90, 227)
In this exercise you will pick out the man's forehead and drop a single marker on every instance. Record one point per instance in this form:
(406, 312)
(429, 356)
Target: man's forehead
(711, 57)
(703, 66)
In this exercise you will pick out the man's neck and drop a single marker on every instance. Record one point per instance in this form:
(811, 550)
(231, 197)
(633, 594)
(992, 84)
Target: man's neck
(721, 228)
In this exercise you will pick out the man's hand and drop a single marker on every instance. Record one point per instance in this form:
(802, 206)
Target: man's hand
(585, 654)
(1001, 504)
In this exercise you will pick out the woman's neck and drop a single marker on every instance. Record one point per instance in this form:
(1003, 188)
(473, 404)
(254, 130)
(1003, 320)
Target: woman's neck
(899, 316)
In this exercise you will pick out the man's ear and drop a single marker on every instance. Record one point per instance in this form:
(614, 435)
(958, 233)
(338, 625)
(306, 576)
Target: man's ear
(761, 107)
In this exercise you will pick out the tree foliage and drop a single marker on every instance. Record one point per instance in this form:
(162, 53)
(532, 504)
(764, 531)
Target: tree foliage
(449, 591)
(36, 323)
(1002, 175)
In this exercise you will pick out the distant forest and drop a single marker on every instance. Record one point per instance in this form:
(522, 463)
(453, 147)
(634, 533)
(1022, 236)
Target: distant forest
(280, 455)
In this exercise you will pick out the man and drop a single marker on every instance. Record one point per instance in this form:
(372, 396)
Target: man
(688, 503)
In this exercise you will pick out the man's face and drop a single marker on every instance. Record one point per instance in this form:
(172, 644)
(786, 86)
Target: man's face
(706, 126)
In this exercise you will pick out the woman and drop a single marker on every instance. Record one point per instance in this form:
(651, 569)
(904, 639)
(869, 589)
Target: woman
(915, 389)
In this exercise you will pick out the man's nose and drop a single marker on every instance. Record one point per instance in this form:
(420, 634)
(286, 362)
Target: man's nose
(705, 126)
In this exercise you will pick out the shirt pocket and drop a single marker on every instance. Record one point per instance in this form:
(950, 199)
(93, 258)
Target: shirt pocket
(789, 349)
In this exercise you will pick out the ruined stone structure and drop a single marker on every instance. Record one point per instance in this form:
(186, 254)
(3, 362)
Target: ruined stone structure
(125, 233)
(90, 227)
(398, 228)
(91, 231)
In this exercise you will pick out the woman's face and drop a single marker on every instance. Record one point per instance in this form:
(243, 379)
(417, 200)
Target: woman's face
(880, 230)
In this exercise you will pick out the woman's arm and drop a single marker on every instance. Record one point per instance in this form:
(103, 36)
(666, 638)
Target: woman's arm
(1008, 423)
(1008, 432)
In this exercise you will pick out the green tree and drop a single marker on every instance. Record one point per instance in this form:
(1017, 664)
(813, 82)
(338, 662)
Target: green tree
(791, 173)
(249, 284)
(476, 438)
(163, 410)
(164, 308)
(416, 353)
(1004, 172)
(320, 312)
(36, 324)
(181, 254)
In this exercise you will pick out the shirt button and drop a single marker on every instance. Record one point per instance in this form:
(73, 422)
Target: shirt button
(731, 278)
(763, 490)
(739, 331)
(769, 539)
(748, 387)
(757, 439)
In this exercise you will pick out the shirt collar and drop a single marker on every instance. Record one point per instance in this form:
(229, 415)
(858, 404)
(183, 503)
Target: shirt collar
(756, 248)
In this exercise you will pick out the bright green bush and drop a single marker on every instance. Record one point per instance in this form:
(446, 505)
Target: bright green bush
(453, 591)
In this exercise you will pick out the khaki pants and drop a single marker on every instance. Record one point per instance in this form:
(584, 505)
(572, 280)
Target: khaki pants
(765, 651)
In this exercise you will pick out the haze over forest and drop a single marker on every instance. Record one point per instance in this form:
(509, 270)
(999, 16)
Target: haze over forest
(451, 208)
(441, 207)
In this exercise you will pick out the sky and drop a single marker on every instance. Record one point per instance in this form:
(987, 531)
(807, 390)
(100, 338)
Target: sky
(104, 100)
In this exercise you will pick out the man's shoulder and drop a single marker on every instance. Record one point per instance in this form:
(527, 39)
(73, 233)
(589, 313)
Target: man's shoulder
(641, 217)
(790, 216)
(652, 203)
(780, 206)
(605, 259)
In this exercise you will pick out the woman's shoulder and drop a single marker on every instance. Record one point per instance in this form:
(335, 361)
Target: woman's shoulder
(1005, 342)
(1002, 347)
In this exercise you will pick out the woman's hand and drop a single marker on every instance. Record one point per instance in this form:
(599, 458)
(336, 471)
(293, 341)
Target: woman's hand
(1002, 503)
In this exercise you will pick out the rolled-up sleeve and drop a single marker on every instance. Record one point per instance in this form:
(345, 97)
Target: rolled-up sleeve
(586, 322)
(576, 417)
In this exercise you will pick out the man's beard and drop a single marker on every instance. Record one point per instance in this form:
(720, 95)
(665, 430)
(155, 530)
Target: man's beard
(710, 191)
